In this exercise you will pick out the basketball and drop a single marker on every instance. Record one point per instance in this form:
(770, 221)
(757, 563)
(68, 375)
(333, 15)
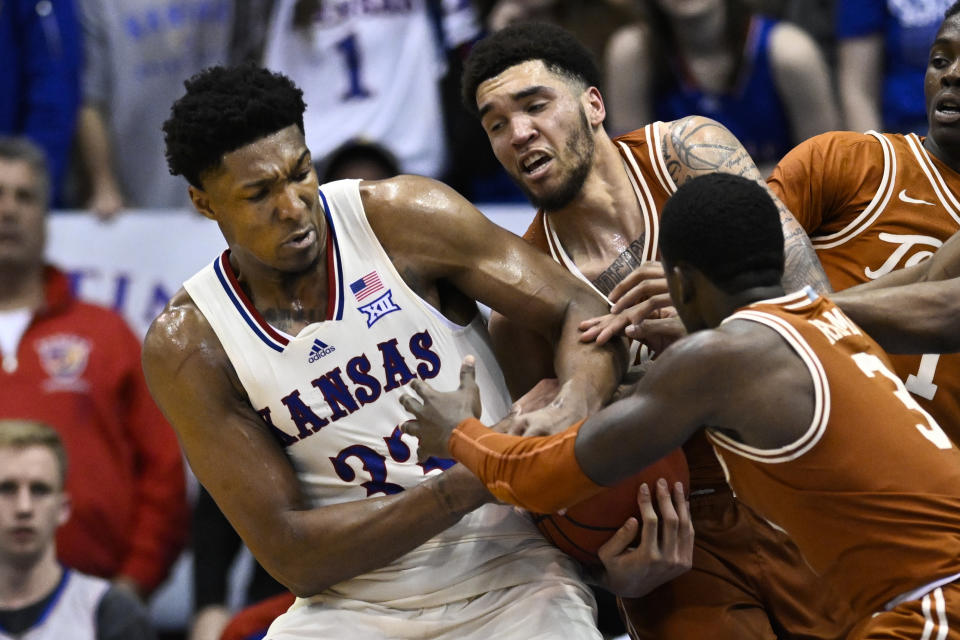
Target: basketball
(585, 526)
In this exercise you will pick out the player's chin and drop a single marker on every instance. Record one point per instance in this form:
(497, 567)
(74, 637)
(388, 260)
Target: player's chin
(297, 260)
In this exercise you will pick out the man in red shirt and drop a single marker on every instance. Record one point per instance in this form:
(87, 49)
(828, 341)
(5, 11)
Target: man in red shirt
(76, 367)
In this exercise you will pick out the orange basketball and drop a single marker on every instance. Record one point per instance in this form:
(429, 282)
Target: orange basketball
(584, 527)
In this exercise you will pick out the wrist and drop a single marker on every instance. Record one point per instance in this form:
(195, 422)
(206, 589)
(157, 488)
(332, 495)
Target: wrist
(458, 491)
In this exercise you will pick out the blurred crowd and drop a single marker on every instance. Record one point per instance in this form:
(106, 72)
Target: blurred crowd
(91, 81)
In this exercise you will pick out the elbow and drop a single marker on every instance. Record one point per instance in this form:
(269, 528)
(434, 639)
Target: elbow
(298, 577)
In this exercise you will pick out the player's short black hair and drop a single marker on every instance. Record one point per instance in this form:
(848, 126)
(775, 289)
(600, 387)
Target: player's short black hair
(953, 10)
(726, 226)
(226, 108)
(519, 42)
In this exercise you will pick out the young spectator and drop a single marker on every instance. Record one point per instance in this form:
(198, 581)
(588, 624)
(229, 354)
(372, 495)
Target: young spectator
(39, 597)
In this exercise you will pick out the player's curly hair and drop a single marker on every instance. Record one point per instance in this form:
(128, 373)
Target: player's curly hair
(523, 41)
(952, 11)
(226, 108)
(726, 226)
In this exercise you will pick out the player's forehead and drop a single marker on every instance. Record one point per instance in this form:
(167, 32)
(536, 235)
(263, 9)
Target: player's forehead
(273, 154)
(518, 81)
(949, 32)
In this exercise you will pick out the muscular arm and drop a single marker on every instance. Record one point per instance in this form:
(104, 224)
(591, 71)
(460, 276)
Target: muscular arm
(244, 468)
(696, 146)
(744, 379)
(918, 318)
(524, 356)
(495, 267)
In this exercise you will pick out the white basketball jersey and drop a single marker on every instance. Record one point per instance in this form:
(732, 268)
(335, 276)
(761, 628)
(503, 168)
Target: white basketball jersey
(72, 612)
(331, 396)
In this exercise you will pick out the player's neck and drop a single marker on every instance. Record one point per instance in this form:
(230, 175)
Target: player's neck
(21, 586)
(288, 301)
(605, 205)
(947, 155)
(727, 304)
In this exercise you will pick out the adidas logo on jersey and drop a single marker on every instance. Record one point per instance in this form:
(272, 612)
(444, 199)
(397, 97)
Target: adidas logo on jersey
(318, 350)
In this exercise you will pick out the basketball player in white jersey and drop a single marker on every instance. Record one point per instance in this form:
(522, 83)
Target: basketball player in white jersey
(281, 365)
(40, 598)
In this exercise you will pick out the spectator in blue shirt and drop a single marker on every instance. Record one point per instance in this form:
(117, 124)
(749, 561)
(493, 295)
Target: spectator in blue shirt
(40, 77)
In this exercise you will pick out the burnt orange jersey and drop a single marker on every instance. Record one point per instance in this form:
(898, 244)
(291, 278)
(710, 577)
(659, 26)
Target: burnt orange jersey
(870, 491)
(642, 155)
(872, 203)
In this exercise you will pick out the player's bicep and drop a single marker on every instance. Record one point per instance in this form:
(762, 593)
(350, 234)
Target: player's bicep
(696, 146)
(227, 444)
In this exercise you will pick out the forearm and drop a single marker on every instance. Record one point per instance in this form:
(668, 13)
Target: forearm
(93, 144)
(540, 474)
(595, 370)
(314, 549)
(923, 317)
(523, 355)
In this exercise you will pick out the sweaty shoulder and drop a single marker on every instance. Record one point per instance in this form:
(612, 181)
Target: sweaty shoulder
(384, 200)
(179, 331)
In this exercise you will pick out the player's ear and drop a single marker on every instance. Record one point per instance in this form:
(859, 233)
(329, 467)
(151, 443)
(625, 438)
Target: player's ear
(593, 106)
(684, 283)
(201, 202)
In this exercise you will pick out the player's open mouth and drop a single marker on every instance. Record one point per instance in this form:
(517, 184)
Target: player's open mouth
(534, 163)
(301, 239)
(948, 110)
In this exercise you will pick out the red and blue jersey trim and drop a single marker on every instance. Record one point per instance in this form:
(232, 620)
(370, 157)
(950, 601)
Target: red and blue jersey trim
(270, 336)
(334, 267)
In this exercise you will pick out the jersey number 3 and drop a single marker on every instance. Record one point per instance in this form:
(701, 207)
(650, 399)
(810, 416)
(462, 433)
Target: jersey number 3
(871, 365)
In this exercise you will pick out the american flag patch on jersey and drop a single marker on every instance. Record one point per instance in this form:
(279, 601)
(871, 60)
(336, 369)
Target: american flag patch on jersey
(366, 286)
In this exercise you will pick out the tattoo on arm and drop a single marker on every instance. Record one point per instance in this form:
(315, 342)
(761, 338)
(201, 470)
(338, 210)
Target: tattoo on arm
(697, 146)
(800, 266)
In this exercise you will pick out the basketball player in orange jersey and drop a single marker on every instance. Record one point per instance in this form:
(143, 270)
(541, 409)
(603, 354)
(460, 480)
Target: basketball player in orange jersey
(814, 430)
(873, 203)
(534, 88)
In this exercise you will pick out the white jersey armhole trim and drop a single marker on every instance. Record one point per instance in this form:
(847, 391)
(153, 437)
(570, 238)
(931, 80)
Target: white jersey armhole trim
(821, 411)
(648, 208)
(944, 194)
(872, 210)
